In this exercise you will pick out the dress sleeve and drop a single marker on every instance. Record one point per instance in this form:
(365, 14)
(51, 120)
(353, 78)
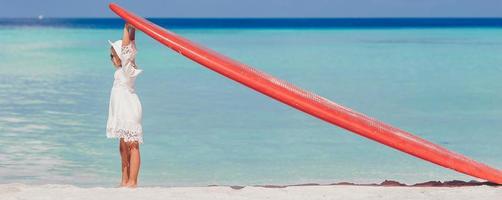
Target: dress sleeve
(128, 58)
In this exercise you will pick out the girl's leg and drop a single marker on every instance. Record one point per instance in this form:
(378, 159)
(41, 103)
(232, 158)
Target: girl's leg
(134, 164)
(124, 154)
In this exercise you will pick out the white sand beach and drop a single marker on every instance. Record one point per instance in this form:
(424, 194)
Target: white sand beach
(69, 192)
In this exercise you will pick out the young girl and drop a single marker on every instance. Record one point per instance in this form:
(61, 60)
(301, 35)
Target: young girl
(125, 113)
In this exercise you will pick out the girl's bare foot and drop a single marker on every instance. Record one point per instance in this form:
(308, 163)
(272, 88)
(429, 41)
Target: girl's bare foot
(123, 184)
(131, 185)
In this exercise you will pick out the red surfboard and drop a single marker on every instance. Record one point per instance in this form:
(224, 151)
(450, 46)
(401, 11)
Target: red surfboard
(311, 103)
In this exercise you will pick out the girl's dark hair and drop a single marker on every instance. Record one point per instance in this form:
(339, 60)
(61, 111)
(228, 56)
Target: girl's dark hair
(114, 54)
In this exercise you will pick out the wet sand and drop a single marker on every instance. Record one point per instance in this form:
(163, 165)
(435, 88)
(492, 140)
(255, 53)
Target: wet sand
(454, 183)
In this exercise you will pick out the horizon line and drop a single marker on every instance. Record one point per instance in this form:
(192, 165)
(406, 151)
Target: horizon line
(45, 17)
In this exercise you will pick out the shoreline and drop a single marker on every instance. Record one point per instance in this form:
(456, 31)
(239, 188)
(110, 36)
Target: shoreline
(386, 183)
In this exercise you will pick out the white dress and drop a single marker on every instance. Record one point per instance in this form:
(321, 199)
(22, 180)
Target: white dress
(125, 112)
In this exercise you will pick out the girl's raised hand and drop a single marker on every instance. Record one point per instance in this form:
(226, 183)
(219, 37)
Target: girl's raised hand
(129, 26)
(128, 35)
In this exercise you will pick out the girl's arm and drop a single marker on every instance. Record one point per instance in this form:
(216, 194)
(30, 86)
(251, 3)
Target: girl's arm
(132, 32)
(128, 35)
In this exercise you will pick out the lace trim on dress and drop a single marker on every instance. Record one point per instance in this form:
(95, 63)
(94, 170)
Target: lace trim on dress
(129, 131)
(126, 134)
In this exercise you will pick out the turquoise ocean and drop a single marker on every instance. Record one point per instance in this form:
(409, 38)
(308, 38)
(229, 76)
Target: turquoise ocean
(200, 128)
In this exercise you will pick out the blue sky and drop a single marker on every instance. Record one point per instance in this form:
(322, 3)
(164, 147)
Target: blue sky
(256, 8)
